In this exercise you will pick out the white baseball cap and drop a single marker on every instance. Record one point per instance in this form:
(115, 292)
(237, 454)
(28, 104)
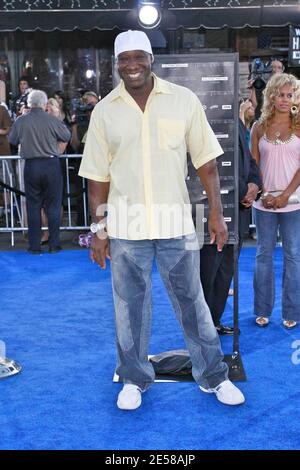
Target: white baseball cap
(132, 41)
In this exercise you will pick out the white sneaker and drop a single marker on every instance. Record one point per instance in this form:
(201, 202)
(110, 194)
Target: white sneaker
(129, 397)
(226, 393)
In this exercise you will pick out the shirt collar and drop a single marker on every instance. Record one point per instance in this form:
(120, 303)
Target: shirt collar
(160, 86)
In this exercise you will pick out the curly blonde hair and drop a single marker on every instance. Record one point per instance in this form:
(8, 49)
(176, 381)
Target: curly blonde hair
(276, 82)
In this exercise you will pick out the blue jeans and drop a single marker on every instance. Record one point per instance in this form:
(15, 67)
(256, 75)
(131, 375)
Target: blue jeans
(131, 265)
(267, 224)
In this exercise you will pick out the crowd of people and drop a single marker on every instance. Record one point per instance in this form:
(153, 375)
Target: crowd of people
(134, 158)
(76, 120)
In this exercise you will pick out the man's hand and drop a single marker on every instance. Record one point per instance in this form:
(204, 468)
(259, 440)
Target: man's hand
(218, 230)
(100, 250)
(98, 194)
(250, 196)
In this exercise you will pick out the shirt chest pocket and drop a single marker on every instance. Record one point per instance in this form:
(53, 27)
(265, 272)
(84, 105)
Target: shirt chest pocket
(170, 133)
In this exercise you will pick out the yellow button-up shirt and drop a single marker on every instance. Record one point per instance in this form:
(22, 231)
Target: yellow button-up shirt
(144, 157)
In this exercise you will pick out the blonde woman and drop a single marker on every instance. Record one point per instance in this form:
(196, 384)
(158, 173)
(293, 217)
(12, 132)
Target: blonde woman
(275, 144)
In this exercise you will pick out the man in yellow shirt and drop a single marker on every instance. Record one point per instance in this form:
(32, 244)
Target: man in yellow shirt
(135, 160)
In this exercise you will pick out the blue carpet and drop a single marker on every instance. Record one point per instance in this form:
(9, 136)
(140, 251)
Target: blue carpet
(57, 321)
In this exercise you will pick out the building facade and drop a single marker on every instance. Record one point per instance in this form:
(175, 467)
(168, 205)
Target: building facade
(68, 44)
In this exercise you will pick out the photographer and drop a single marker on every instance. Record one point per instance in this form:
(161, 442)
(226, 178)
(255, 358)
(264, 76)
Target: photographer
(90, 98)
(20, 101)
(81, 119)
(260, 73)
(277, 66)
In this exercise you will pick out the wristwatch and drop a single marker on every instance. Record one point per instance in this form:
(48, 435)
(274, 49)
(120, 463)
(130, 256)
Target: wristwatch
(94, 228)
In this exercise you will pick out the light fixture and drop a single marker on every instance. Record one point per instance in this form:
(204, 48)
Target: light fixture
(149, 14)
(89, 74)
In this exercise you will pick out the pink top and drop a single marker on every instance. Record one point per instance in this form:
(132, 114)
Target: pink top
(278, 164)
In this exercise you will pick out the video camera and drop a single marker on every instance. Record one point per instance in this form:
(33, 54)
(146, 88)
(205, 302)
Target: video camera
(260, 72)
(82, 112)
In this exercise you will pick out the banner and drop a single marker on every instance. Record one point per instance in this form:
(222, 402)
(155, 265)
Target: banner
(294, 47)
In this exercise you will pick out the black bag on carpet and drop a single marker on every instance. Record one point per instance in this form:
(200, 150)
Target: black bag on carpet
(174, 363)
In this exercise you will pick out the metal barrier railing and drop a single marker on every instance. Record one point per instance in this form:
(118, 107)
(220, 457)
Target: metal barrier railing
(14, 208)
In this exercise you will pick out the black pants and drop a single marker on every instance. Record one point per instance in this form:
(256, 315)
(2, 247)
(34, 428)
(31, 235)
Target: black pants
(43, 188)
(216, 272)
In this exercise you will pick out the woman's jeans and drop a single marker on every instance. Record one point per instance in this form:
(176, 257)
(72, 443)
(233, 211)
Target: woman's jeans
(267, 224)
(131, 265)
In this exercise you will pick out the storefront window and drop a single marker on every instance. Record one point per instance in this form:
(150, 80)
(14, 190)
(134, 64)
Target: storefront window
(42, 71)
(79, 72)
(105, 70)
(4, 78)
